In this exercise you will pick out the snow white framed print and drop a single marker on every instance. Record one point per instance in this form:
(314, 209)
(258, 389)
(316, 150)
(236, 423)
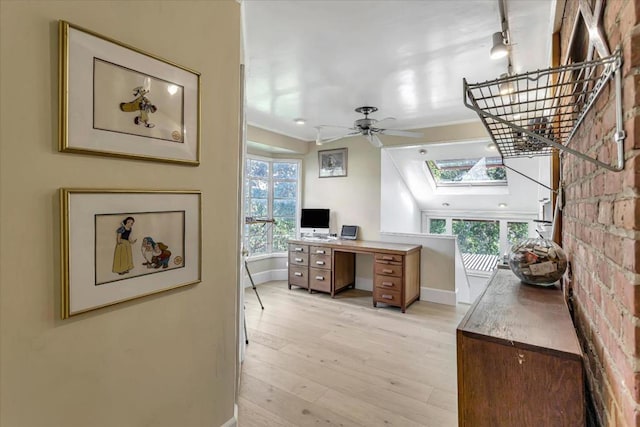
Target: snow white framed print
(118, 245)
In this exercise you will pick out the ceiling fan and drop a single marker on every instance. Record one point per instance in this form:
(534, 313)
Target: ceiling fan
(369, 128)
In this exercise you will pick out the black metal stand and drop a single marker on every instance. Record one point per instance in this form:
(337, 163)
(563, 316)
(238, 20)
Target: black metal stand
(253, 285)
(244, 322)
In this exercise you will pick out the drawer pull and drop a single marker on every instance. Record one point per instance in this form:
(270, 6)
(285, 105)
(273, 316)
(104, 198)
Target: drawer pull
(299, 249)
(387, 258)
(320, 251)
(319, 278)
(390, 297)
(298, 259)
(387, 270)
(320, 262)
(297, 273)
(387, 284)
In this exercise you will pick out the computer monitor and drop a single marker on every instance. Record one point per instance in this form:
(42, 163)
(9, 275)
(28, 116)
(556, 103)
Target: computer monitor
(349, 232)
(314, 221)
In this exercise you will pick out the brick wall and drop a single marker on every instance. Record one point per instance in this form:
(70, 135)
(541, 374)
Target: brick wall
(601, 230)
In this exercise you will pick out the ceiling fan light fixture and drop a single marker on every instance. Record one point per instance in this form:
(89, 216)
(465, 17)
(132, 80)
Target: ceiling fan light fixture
(499, 48)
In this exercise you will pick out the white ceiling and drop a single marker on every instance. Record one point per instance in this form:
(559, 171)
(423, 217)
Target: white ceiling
(319, 60)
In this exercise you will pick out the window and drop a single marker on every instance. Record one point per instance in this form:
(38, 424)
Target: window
(457, 172)
(516, 231)
(271, 192)
(477, 236)
(437, 225)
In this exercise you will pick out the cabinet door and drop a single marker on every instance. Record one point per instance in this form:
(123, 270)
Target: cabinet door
(388, 269)
(320, 261)
(387, 296)
(320, 279)
(298, 258)
(299, 276)
(388, 282)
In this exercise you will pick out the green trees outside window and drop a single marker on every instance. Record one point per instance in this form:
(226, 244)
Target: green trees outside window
(271, 192)
(437, 226)
(516, 231)
(477, 237)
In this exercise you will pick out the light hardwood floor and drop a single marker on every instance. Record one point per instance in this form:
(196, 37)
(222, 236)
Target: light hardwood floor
(313, 360)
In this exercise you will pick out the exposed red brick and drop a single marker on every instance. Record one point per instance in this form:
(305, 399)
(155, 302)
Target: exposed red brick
(628, 293)
(630, 91)
(629, 335)
(603, 273)
(631, 255)
(613, 182)
(613, 248)
(633, 59)
(613, 314)
(605, 213)
(631, 174)
(631, 128)
(626, 214)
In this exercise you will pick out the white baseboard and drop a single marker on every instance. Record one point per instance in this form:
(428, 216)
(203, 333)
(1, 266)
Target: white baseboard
(233, 421)
(438, 296)
(266, 276)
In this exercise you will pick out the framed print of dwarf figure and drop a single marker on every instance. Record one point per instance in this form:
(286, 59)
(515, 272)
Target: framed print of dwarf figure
(117, 100)
(123, 244)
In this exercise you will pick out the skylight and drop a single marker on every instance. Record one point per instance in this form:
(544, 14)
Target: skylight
(465, 172)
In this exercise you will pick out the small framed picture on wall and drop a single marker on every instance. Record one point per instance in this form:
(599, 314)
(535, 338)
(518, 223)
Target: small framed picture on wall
(332, 163)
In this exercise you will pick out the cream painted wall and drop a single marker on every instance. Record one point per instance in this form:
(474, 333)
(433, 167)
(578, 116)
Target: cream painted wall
(276, 140)
(165, 360)
(354, 199)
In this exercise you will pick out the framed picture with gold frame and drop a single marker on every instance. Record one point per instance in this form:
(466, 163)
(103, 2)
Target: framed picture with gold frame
(117, 245)
(116, 100)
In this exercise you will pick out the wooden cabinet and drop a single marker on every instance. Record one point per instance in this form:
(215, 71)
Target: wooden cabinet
(320, 277)
(519, 359)
(298, 265)
(390, 274)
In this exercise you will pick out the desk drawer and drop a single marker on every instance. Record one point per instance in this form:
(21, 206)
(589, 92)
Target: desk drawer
(387, 296)
(302, 249)
(388, 269)
(320, 261)
(298, 258)
(388, 282)
(299, 276)
(388, 258)
(320, 250)
(320, 280)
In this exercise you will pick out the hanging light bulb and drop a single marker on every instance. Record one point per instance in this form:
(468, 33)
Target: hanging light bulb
(499, 49)
(506, 87)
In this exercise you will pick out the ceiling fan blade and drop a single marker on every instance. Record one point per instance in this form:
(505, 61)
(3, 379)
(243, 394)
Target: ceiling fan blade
(406, 133)
(386, 119)
(349, 135)
(374, 140)
(332, 126)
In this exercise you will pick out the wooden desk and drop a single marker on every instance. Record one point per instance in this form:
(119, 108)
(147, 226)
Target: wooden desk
(329, 266)
(519, 359)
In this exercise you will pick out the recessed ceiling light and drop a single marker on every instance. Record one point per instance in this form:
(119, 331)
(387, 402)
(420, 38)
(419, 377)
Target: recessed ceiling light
(299, 121)
(445, 204)
(502, 205)
(491, 146)
(422, 151)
